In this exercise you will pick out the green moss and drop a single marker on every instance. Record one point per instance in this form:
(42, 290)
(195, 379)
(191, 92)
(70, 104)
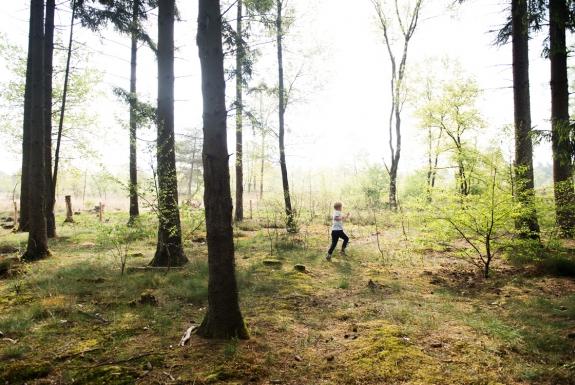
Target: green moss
(20, 373)
(385, 355)
(107, 375)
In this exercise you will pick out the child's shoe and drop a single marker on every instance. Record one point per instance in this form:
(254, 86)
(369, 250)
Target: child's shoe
(328, 257)
(343, 253)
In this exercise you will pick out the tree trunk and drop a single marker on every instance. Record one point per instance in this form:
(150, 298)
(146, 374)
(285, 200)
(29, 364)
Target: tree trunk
(169, 251)
(239, 214)
(37, 247)
(134, 209)
(527, 223)
(290, 220)
(23, 220)
(562, 163)
(69, 212)
(223, 318)
(263, 153)
(64, 96)
(48, 71)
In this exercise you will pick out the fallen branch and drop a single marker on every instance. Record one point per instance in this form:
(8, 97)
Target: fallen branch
(187, 335)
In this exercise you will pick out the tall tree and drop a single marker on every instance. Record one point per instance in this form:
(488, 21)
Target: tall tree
(527, 222)
(37, 247)
(407, 24)
(560, 138)
(48, 72)
(290, 215)
(239, 207)
(223, 318)
(134, 208)
(64, 99)
(169, 250)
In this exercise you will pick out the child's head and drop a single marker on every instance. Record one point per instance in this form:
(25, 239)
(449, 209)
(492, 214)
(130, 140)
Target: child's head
(337, 206)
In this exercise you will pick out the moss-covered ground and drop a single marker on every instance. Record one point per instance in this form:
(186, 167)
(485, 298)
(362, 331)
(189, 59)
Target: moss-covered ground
(404, 316)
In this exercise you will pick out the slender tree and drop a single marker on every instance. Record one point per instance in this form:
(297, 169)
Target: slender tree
(239, 212)
(223, 318)
(560, 142)
(48, 72)
(407, 25)
(169, 251)
(290, 215)
(37, 247)
(134, 208)
(527, 223)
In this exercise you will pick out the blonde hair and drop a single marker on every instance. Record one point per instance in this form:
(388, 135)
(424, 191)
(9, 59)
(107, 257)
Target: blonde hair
(337, 205)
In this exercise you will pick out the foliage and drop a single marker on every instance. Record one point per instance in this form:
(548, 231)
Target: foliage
(119, 239)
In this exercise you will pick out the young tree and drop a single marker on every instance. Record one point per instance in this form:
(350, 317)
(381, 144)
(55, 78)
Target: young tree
(560, 127)
(290, 215)
(407, 24)
(169, 251)
(37, 247)
(134, 207)
(239, 207)
(223, 318)
(524, 179)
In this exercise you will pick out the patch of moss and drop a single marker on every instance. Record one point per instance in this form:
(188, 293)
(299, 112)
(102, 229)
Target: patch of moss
(385, 355)
(107, 375)
(20, 373)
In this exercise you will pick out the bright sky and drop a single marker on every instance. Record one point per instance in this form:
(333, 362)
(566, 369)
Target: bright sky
(343, 88)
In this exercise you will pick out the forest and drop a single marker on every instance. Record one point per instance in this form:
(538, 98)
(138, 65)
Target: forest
(287, 192)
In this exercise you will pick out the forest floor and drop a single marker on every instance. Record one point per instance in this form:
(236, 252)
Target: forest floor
(411, 315)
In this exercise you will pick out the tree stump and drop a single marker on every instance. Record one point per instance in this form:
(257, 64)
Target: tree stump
(69, 213)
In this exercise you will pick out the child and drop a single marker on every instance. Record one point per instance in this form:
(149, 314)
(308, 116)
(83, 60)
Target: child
(337, 231)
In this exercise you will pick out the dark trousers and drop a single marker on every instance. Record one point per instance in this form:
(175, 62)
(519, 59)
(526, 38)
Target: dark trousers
(335, 236)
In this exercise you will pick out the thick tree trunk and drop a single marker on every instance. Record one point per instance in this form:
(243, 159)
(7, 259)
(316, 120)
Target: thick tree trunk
(134, 207)
(37, 247)
(223, 318)
(48, 71)
(169, 251)
(527, 223)
(64, 96)
(69, 212)
(239, 213)
(290, 220)
(562, 163)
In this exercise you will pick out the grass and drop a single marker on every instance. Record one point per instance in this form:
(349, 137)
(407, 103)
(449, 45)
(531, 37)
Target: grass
(325, 325)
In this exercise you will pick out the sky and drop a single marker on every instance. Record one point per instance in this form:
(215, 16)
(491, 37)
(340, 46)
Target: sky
(339, 112)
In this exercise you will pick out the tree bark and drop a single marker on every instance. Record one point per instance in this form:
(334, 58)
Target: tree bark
(223, 318)
(134, 207)
(290, 220)
(562, 163)
(239, 212)
(37, 247)
(169, 251)
(527, 223)
(48, 71)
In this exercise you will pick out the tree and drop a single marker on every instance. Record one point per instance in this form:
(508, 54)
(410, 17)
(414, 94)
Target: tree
(169, 250)
(48, 73)
(223, 318)
(560, 127)
(134, 208)
(453, 112)
(524, 177)
(239, 212)
(290, 215)
(398, 70)
(37, 247)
